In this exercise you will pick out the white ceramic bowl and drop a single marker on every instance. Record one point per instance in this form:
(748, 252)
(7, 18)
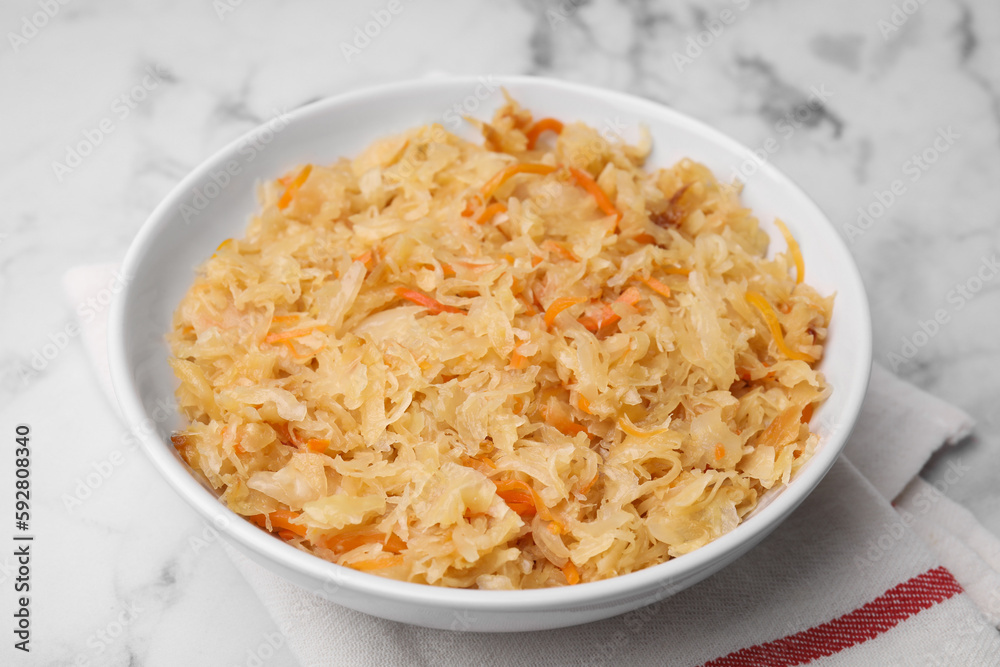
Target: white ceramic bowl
(216, 201)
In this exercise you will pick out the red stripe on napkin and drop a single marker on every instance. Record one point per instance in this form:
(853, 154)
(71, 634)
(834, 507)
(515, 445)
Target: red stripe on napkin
(864, 623)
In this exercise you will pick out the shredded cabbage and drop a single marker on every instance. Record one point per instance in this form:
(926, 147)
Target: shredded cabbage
(370, 375)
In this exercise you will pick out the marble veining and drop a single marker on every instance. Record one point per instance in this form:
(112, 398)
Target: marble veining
(853, 94)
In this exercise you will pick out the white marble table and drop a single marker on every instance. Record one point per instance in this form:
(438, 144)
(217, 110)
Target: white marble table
(894, 115)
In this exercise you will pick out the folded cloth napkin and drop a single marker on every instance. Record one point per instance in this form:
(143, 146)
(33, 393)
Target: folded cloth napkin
(848, 579)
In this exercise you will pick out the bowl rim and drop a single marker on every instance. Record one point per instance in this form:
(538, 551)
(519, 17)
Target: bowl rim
(663, 576)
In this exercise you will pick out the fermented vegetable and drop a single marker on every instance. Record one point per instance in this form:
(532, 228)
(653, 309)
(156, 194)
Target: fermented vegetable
(503, 366)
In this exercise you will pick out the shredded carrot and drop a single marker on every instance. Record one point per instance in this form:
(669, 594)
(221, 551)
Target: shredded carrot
(379, 563)
(239, 449)
(281, 519)
(583, 404)
(393, 543)
(783, 429)
(317, 445)
(597, 321)
(522, 509)
(560, 248)
(448, 270)
(585, 489)
(572, 574)
(286, 335)
(477, 266)
(516, 498)
(517, 360)
(793, 247)
(720, 451)
(523, 500)
(760, 303)
(625, 424)
(367, 258)
(506, 174)
(561, 420)
(482, 463)
(644, 238)
(807, 413)
(352, 539)
(286, 198)
(434, 306)
(493, 209)
(529, 309)
(584, 180)
(287, 535)
(607, 316)
(518, 495)
(677, 271)
(285, 318)
(658, 287)
(631, 296)
(224, 244)
(558, 306)
(470, 208)
(520, 503)
(543, 125)
(505, 485)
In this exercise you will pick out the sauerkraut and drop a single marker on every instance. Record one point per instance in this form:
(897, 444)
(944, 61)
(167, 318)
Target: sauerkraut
(523, 363)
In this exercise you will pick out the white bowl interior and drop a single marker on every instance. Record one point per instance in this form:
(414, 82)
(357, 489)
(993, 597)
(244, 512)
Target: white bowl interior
(185, 229)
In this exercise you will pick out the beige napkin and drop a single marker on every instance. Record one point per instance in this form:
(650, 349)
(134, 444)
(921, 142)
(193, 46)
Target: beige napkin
(848, 579)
